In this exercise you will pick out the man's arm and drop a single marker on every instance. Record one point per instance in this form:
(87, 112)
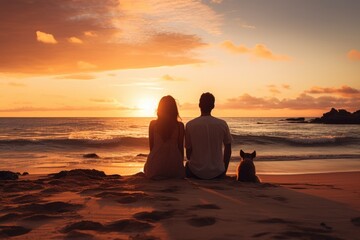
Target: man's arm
(227, 145)
(227, 155)
(188, 153)
(188, 144)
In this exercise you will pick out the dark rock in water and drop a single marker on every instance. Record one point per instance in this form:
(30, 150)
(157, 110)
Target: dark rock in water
(7, 175)
(92, 174)
(340, 116)
(25, 173)
(296, 120)
(91, 155)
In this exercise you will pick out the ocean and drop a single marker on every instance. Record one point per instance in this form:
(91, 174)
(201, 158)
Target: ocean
(47, 145)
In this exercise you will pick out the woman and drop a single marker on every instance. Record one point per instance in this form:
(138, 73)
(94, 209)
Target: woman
(166, 140)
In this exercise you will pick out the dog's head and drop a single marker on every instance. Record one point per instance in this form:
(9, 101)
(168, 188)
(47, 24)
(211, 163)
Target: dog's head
(247, 156)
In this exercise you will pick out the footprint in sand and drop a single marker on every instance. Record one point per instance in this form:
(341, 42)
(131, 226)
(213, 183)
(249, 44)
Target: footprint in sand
(280, 199)
(128, 199)
(201, 221)
(41, 217)
(12, 231)
(26, 199)
(91, 191)
(133, 197)
(124, 225)
(205, 206)
(275, 221)
(110, 194)
(356, 221)
(277, 198)
(304, 235)
(9, 217)
(325, 226)
(123, 197)
(128, 225)
(217, 187)
(171, 189)
(21, 186)
(262, 234)
(297, 232)
(154, 216)
(143, 237)
(83, 225)
(166, 198)
(50, 208)
(78, 235)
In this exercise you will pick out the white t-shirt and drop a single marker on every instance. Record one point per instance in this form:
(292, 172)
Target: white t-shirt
(206, 135)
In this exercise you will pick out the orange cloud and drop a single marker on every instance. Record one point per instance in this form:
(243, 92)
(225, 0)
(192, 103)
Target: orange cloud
(354, 55)
(65, 108)
(273, 89)
(345, 91)
(117, 37)
(103, 100)
(259, 51)
(15, 84)
(143, 16)
(90, 34)
(235, 49)
(168, 77)
(45, 37)
(302, 102)
(85, 65)
(75, 40)
(349, 98)
(77, 77)
(286, 86)
(244, 25)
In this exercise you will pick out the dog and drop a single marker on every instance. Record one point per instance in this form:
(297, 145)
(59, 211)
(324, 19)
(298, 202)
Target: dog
(246, 171)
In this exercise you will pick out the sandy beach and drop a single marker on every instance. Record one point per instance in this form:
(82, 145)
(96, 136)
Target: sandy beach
(87, 204)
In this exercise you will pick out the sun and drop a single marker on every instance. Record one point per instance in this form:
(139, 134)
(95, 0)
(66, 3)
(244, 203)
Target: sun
(146, 107)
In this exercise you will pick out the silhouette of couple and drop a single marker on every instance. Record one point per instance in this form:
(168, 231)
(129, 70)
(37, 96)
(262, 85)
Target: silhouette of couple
(207, 143)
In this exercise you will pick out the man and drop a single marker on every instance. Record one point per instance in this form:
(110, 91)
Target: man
(205, 137)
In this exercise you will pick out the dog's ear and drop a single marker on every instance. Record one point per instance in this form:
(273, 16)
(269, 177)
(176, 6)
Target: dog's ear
(253, 155)
(242, 154)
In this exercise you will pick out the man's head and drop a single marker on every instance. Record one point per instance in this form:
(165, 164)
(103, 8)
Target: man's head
(206, 102)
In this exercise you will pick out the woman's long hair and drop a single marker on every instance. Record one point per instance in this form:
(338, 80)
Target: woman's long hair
(168, 116)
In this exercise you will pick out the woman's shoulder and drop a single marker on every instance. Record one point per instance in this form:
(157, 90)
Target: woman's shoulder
(152, 124)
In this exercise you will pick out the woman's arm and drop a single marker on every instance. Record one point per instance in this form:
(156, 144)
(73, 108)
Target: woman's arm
(181, 138)
(151, 134)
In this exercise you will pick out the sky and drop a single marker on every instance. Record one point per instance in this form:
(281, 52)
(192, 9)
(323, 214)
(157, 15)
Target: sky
(117, 58)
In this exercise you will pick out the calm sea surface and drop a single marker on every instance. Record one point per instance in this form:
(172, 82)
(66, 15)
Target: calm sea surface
(44, 145)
